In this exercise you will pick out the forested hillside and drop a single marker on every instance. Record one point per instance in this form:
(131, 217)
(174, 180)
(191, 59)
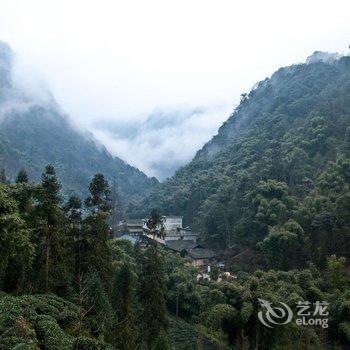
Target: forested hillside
(67, 284)
(277, 169)
(34, 133)
(270, 192)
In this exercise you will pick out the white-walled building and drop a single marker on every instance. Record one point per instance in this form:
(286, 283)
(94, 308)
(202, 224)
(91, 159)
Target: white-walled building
(173, 230)
(172, 223)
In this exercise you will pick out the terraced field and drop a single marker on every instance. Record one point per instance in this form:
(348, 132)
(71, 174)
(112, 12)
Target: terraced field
(185, 337)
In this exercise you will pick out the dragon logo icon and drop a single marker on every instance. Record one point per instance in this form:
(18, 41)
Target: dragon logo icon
(274, 315)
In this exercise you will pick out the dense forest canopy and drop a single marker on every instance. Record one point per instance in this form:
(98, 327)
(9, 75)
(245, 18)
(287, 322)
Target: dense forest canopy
(270, 193)
(66, 283)
(278, 167)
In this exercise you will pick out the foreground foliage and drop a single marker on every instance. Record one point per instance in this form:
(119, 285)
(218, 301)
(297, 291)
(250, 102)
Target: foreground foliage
(42, 321)
(272, 186)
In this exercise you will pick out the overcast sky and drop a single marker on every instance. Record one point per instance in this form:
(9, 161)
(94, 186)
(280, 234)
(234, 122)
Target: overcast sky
(120, 68)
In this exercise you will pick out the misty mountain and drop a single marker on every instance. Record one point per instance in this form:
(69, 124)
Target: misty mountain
(163, 141)
(34, 133)
(287, 129)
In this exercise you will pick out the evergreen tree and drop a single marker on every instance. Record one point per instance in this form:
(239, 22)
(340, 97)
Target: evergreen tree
(96, 253)
(16, 249)
(73, 208)
(124, 301)
(99, 199)
(24, 194)
(155, 225)
(101, 316)
(50, 233)
(152, 290)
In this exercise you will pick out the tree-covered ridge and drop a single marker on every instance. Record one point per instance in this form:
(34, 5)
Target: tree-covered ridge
(274, 158)
(66, 283)
(273, 186)
(34, 133)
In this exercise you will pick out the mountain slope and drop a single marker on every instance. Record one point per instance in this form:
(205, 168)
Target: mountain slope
(286, 129)
(33, 134)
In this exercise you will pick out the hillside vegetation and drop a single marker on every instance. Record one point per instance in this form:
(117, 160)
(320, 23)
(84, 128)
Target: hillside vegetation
(34, 133)
(273, 186)
(278, 169)
(66, 283)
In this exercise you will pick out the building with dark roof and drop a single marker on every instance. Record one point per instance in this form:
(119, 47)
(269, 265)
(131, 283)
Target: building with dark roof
(181, 246)
(200, 257)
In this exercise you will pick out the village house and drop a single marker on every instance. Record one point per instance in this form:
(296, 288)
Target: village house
(183, 241)
(178, 239)
(181, 234)
(172, 223)
(173, 230)
(134, 226)
(181, 246)
(199, 257)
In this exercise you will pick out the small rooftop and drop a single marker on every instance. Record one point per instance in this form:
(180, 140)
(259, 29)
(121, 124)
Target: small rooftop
(201, 253)
(172, 217)
(134, 222)
(180, 245)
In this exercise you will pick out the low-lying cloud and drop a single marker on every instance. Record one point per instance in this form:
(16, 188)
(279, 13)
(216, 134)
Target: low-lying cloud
(165, 140)
(109, 64)
(157, 143)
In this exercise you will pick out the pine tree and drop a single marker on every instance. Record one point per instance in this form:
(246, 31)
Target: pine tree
(100, 315)
(152, 290)
(16, 249)
(124, 296)
(49, 224)
(24, 192)
(73, 209)
(96, 255)
(99, 199)
(155, 225)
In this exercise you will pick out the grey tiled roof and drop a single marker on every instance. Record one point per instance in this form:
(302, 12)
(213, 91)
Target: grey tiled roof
(134, 222)
(180, 245)
(201, 253)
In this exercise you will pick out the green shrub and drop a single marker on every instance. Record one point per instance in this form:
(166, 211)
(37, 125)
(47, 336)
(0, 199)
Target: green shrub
(52, 336)
(84, 343)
